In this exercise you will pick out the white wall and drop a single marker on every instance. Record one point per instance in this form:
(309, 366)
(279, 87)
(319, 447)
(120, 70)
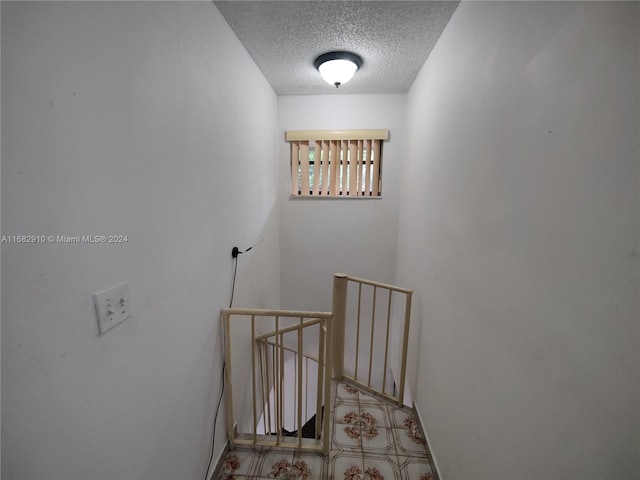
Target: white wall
(519, 231)
(320, 237)
(148, 120)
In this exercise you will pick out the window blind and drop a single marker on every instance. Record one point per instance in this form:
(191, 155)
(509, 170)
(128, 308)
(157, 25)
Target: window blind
(336, 163)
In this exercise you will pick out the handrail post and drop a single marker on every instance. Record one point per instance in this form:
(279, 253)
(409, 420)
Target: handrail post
(405, 347)
(339, 308)
(227, 379)
(326, 426)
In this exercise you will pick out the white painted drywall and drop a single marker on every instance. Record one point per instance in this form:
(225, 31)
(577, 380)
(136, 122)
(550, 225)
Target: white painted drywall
(148, 120)
(519, 231)
(320, 237)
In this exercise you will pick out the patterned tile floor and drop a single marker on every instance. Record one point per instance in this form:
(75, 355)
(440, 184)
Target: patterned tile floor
(371, 440)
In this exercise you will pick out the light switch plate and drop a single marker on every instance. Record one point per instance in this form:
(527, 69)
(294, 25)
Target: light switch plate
(113, 306)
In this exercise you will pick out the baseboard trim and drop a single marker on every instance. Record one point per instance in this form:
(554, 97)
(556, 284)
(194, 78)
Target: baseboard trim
(429, 444)
(218, 464)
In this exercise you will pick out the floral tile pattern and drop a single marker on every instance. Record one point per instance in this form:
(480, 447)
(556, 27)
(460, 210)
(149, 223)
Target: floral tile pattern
(378, 467)
(276, 464)
(346, 393)
(375, 415)
(347, 437)
(346, 467)
(347, 413)
(308, 466)
(378, 440)
(371, 440)
(239, 463)
(416, 468)
(410, 441)
(398, 417)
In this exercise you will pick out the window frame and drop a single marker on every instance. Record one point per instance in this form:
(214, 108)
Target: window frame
(322, 180)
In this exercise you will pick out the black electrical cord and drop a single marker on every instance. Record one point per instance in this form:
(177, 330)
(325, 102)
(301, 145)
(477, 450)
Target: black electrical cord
(233, 285)
(215, 418)
(234, 253)
(215, 421)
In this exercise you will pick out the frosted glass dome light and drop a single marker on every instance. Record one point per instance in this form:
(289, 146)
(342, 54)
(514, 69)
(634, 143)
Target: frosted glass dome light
(338, 67)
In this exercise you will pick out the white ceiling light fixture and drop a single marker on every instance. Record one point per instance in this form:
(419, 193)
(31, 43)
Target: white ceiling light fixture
(337, 67)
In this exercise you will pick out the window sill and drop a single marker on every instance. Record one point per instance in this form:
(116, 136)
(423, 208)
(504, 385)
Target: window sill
(332, 197)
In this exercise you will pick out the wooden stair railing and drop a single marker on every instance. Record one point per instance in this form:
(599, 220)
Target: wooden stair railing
(263, 378)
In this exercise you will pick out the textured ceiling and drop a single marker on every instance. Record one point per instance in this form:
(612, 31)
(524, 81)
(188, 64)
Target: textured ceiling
(394, 38)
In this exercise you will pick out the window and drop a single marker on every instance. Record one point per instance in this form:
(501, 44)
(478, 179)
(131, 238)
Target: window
(336, 163)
